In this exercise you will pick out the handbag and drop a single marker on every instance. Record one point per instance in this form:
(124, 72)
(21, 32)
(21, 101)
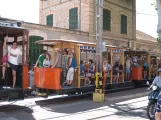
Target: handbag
(5, 58)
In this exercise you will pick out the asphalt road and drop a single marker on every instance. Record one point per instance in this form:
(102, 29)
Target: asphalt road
(125, 109)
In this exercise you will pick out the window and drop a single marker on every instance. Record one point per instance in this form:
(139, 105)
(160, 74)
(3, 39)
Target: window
(106, 19)
(73, 18)
(123, 24)
(49, 20)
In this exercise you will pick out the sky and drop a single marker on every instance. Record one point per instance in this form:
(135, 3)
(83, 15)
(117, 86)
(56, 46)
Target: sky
(28, 11)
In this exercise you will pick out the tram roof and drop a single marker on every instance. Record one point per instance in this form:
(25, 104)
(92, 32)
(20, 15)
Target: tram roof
(143, 51)
(54, 41)
(11, 31)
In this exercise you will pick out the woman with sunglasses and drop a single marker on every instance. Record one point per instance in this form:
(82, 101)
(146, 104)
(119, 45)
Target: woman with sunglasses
(13, 54)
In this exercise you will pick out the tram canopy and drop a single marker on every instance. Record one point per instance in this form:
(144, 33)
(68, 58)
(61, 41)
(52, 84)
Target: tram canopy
(55, 41)
(11, 31)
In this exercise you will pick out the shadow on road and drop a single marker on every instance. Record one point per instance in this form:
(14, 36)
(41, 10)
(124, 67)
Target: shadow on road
(87, 107)
(19, 112)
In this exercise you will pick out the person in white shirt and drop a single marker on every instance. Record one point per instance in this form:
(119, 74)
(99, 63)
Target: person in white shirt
(47, 62)
(13, 53)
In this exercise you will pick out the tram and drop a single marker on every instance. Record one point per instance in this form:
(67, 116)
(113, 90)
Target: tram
(51, 80)
(144, 65)
(19, 35)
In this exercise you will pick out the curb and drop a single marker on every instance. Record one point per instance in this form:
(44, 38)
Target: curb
(112, 99)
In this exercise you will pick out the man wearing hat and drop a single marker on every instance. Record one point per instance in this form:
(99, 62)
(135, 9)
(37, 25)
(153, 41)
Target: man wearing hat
(57, 58)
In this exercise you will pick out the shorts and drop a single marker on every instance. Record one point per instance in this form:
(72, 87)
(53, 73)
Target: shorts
(89, 74)
(127, 70)
(12, 66)
(145, 68)
(70, 74)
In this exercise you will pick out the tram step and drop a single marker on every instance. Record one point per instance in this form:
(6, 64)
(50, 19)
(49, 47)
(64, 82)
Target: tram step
(15, 95)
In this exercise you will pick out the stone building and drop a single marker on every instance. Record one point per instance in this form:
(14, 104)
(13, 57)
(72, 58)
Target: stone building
(119, 18)
(146, 42)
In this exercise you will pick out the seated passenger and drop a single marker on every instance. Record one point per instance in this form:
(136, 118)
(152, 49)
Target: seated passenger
(120, 69)
(47, 62)
(82, 74)
(108, 68)
(91, 72)
(116, 72)
(71, 67)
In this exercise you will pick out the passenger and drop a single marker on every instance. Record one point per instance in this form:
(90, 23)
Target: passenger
(153, 70)
(31, 77)
(145, 68)
(82, 74)
(64, 64)
(4, 60)
(116, 72)
(71, 68)
(91, 72)
(57, 58)
(108, 68)
(128, 66)
(120, 69)
(41, 59)
(13, 53)
(47, 62)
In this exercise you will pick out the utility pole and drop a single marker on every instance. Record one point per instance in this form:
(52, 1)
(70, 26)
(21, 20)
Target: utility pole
(98, 95)
(99, 29)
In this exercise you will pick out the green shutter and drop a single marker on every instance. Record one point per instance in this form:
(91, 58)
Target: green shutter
(49, 20)
(106, 19)
(34, 49)
(123, 24)
(73, 18)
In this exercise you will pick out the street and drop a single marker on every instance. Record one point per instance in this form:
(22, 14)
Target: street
(28, 109)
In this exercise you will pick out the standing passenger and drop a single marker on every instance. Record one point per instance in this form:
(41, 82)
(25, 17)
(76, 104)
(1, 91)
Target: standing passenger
(71, 65)
(41, 59)
(13, 53)
(57, 58)
(128, 66)
(145, 68)
(64, 64)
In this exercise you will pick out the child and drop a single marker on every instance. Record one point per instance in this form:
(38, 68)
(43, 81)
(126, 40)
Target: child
(31, 77)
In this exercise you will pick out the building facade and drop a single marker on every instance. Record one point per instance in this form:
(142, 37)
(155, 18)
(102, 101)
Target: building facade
(119, 18)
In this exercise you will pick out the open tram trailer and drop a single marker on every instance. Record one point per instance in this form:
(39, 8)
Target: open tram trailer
(151, 58)
(51, 79)
(20, 35)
